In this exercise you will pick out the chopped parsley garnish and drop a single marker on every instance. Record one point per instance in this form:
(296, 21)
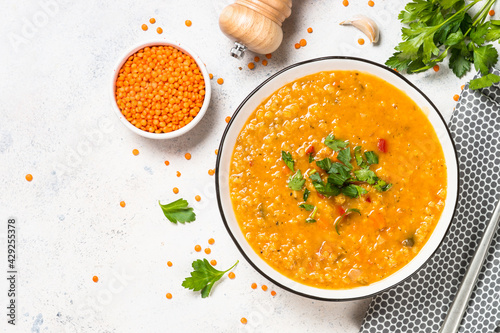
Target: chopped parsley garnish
(335, 144)
(311, 158)
(366, 175)
(306, 194)
(353, 191)
(371, 158)
(296, 182)
(344, 156)
(359, 158)
(340, 218)
(311, 219)
(178, 211)
(307, 207)
(326, 189)
(287, 158)
(203, 277)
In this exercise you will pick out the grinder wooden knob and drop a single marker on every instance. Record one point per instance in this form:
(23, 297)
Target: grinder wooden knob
(255, 24)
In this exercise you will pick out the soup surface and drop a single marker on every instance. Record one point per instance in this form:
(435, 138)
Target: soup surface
(337, 179)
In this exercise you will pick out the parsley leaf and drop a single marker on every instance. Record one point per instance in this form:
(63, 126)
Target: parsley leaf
(178, 211)
(366, 175)
(306, 194)
(344, 156)
(347, 212)
(296, 181)
(358, 157)
(371, 157)
(335, 144)
(322, 188)
(485, 81)
(485, 57)
(307, 207)
(459, 63)
(287, 158)
(311, 158)
(382, 186)
(337, 179)
(353, 191)
(325, 164)
(203, 277)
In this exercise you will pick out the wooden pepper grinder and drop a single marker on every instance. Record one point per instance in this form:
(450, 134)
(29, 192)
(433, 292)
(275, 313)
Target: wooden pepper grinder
(255, 24)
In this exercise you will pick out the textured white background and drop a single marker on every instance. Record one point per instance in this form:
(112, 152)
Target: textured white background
(57, 124)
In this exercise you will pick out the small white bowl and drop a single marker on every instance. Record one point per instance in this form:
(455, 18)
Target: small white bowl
(238, 121)
(179, 131)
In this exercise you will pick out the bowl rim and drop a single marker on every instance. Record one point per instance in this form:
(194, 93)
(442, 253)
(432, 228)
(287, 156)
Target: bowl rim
(218, 192)
(181, 47)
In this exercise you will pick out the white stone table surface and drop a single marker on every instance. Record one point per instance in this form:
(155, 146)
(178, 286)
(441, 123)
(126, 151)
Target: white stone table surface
(57, 124)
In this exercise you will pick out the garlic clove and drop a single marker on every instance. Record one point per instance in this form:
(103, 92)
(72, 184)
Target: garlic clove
(366, 25)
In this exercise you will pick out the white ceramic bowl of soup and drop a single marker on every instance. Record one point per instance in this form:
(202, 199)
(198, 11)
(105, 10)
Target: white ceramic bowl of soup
(263, 91)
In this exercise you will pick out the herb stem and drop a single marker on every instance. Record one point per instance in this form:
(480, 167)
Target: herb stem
(236, 263)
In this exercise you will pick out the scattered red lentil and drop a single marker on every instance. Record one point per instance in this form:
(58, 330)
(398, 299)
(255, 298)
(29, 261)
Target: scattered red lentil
(436, 68)
(197, 198)
(216, 151)
(244, 321)
(456, 98)
(269, 56)
(144, 27)
(169, 295)
(213, 262)
(256, 59)
(188, 23)
(211, 241)
(159, 30)
(264, 62)
(169, 264)
(371, 3)
(160, 89)
(197, 248)
(211, 172)
(178, 173)
(211, 76)
(254, 285)
(29, 177)
(228, 118)
(303, 42)
(152, 20)
(122, 203)
(273, 293)
(491, 12)
(176, 190)
(208, 251)
(251, 65)
(135, 152)
(220, 80)
(95, 279)
(187, 156)
(310, 30)
(167, 163)
(231, 275)
(297, 46)
(264, 287)
(462, 87)
(345, 3)
(361, 41)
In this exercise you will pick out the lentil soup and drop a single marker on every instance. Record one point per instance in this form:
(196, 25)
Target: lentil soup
(337, 179)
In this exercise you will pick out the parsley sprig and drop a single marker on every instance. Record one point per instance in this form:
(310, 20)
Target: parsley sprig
(178, 211)
(438, 28)
(203, 277)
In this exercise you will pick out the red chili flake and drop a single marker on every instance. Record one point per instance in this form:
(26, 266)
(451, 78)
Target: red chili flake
(382, 145)
(310, 150)
(341, 210)
(368, 199)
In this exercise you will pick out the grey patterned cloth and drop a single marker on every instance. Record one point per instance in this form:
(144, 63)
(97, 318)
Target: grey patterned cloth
(420, 304)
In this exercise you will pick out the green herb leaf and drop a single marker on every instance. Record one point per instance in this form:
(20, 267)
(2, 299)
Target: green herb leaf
(287, 158)
(203, 277)
(366, 175)
(358, 157)
(310, 220)
(311, 158)
(485, 57)
(478, 33)
(306, 194)
(382, 186)
(322, 188)
(485, 81)
(335, 144)
(344, 156)
(178, 211)
(371, 157)
(307, 207)
(325, 164)
(494, 31)
(459, 63)
(296, 181)
(353, 191)
(340, 218)
(340, 169)
(337, 179)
